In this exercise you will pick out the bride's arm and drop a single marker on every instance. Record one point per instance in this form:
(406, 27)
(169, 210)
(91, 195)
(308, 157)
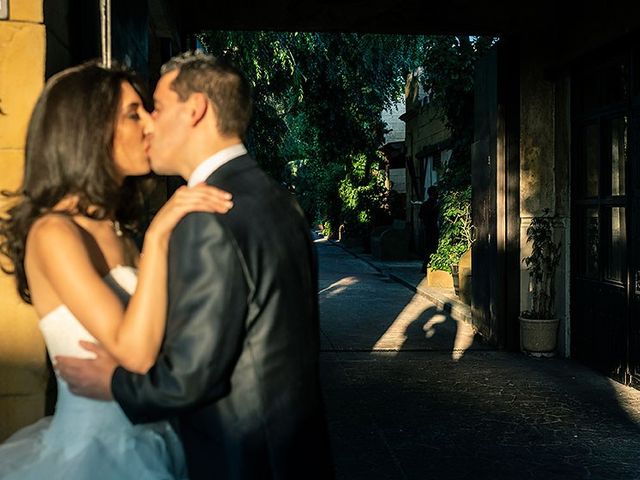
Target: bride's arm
(132, 336)
(143, 325)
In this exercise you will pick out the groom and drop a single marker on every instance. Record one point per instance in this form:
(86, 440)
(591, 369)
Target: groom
(238, 368)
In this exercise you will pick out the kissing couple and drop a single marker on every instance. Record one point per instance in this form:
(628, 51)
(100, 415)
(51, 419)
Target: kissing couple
(198, 357)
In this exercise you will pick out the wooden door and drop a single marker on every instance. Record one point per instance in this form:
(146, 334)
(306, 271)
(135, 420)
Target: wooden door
(483, 199)
(602, 216)
(495, 196)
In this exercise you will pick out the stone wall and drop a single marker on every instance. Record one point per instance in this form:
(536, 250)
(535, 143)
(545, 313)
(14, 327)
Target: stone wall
(23, 372)
(544, 167)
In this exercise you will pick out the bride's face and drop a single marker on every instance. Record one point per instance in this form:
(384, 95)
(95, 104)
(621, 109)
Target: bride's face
(130, 144)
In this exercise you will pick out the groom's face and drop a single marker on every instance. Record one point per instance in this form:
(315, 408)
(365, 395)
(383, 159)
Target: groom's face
(170, 128)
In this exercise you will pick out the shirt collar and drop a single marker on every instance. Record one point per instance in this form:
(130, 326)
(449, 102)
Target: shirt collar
(211, 164)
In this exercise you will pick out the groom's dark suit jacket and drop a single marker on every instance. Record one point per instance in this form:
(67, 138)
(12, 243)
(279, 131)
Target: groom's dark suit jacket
(239, 363)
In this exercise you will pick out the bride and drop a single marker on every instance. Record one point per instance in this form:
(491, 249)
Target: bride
(68, 235)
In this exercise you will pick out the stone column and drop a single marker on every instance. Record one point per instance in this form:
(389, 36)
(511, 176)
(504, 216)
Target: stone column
(544, 175)
(23, 373)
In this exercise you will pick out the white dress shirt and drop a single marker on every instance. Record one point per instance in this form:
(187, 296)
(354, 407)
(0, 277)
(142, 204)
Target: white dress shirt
(211, 164)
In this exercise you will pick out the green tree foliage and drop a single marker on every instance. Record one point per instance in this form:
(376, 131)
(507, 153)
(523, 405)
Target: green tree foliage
(318, 104)
(267, 59)
(316, 185)
(362, 194)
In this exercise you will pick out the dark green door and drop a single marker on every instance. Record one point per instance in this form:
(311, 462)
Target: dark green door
(603, 304)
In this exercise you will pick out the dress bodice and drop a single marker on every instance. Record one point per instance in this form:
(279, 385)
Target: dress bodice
(62, 332)
(61, 329)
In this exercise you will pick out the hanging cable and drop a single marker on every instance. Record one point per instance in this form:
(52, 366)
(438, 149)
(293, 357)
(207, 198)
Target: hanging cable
(105, 32)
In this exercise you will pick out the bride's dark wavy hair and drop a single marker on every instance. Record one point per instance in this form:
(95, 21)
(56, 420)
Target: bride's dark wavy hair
(69, 151)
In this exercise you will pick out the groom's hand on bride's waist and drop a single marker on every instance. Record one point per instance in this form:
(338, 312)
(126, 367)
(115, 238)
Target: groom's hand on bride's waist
(88, 377)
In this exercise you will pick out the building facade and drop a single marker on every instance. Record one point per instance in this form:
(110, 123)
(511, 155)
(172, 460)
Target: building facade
(428, 149)
(557, 131)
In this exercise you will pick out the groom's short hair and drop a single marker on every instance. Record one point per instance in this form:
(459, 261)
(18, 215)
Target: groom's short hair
(222, 82)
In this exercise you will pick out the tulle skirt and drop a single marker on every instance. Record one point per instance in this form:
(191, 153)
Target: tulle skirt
(40, 452)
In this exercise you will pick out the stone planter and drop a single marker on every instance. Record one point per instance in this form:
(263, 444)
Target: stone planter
(439, 278)
(464, 274)
(538, 337)
(465, 285)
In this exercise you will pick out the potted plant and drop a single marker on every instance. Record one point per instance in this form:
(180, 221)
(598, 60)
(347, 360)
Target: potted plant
(539, 324)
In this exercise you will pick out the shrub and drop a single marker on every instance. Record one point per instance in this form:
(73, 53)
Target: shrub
(542, 265)
(455, 229)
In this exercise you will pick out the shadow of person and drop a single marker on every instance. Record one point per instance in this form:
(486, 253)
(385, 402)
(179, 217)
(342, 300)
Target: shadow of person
(423, 326)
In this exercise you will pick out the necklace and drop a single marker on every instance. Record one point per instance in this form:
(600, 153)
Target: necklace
(115, 224)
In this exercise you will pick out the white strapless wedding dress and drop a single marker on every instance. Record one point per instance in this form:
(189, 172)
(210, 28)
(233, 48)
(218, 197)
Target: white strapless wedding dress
(89, 439)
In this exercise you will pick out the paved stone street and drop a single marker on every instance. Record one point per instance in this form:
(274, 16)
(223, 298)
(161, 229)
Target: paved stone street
(412, 394)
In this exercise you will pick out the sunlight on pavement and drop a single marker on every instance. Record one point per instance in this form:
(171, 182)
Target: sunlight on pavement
(338, 287)
(464, 339)
(395, 336)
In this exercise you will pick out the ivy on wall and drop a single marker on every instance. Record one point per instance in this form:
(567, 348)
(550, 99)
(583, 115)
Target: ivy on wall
(455, 229)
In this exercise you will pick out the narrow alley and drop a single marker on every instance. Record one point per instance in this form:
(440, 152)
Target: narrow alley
(411, 394)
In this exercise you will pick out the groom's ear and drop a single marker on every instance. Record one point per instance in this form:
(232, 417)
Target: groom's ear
(199, 105)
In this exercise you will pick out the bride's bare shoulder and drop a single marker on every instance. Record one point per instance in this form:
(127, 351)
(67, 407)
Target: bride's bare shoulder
(53, 244)
(53, 231)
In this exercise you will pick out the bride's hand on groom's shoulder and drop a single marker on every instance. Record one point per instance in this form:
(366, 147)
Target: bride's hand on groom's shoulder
(199, 198)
